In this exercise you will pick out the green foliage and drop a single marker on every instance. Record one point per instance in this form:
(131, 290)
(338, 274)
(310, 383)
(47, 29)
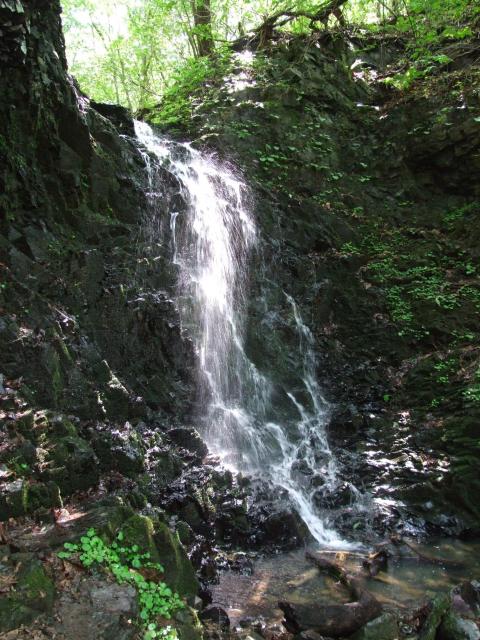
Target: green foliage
(193, 82)
(429, 274)
(134, 52)
(125, 563)
(472, 393)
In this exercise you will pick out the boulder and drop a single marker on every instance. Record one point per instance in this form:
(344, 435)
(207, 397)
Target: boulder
(187, 624)
(190, 439)
(438, 608)
(32, 593)
(385, 627)
(165, 548)
(216, 614)
(120, 449)
(23, 496)
(454, 627)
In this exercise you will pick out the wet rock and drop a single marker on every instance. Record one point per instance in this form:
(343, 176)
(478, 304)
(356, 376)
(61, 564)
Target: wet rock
(241, 563)
(120, 449)
(190, 439)
(385, 627)
(216, 614)
(165, 548)
(438, 607)
(454, 627)
(120, 116)
(346, 421)
(165, 466)
(331, 498)
(232, 523)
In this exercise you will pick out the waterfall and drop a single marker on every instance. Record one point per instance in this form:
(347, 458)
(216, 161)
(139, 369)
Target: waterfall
(212, 238)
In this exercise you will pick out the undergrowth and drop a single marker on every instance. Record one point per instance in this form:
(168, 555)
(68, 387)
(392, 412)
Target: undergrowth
(126, 564)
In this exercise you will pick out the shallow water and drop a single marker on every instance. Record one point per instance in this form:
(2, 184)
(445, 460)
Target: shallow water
(405, 584)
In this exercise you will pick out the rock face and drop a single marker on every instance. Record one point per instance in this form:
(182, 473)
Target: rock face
(72, 201)
(83, 331)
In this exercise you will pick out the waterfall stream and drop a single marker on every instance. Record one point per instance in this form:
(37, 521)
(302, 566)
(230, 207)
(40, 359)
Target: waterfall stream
(212, 238)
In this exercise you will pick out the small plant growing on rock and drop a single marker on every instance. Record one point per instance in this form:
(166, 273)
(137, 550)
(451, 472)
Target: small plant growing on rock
(126, 564)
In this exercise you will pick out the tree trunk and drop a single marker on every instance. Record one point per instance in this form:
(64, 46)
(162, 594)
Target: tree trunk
(202, 18)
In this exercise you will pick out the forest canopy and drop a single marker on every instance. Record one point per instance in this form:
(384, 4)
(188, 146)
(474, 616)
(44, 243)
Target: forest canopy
(131, 52)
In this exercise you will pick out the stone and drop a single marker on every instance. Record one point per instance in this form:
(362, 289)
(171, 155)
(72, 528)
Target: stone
(73, 463)
(165, 548)
(23, 496)
(115, 599)
(216, 614)
(454, 627)
(185, 532)
(120, 449)
(190, 439)
(119, 116)
(179, 571)
(187, 624)
(385, 627)
(438, 608)
(32, 594)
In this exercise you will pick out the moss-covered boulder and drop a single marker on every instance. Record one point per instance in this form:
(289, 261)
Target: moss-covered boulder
(165, 548)
(120, 448)
(32, 594)
(73, 464)
(23, 496)
(454, 627)
(438, 609)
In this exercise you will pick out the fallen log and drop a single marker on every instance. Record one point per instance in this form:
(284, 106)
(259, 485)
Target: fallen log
(335, 620)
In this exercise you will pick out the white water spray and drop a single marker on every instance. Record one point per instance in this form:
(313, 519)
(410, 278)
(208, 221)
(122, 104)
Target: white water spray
(212, 238)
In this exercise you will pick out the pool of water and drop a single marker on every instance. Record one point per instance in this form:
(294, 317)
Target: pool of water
(406, 582)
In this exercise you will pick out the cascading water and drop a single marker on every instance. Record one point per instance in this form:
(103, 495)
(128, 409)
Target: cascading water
(212, 239)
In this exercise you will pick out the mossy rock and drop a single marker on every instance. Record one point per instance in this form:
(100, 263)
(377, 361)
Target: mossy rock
(179, 570)
(165, 548)
(385, 627)
(22, 496)
(120, 449)
(75, 465)
(456, 628)
(438, 610)
(32, 595)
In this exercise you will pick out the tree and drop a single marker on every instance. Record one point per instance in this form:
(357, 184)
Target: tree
(202, 19)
